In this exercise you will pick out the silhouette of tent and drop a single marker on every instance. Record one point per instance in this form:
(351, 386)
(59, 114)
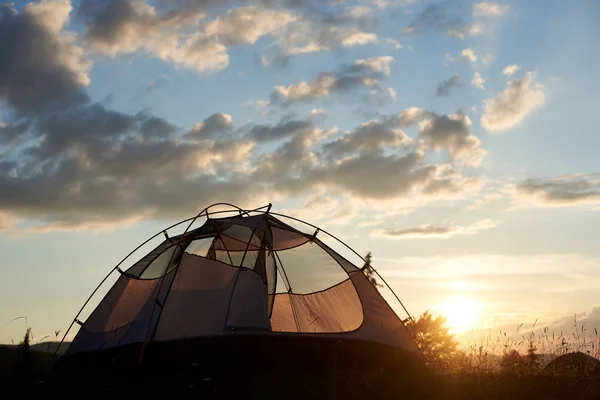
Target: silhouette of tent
(243, 282)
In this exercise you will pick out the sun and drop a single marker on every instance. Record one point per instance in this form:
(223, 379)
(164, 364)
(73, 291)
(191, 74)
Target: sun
(462, 313)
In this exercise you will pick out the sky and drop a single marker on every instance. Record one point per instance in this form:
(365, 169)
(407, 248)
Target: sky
(456, 140)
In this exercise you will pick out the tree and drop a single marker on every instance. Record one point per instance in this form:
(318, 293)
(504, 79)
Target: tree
(370, 272)
(435, 341)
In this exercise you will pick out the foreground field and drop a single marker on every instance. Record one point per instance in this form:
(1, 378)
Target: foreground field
(307, 384)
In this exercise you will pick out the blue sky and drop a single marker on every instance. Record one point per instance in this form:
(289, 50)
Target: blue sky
(455, 139)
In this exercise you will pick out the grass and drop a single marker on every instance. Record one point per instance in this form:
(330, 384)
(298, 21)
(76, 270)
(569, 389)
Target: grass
(477, 372)
(542, 345)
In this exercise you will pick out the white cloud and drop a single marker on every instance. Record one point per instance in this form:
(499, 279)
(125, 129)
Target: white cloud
(372, 136)
(487, 9)
(474, 29)
(434, 231)
(363, 73)
(392, 93)
(212, 127)
(511, 70)
(263, 61)
(511, 106)
(359, 12)
(469, 55)
(377, 64)
(393, 42)
(478, 81)
(245, 25)
(452, 133)
(318, 112)
(304, 36)
(127, 26)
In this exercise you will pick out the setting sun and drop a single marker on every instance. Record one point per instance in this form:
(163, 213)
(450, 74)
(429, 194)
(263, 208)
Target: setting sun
(462, 313)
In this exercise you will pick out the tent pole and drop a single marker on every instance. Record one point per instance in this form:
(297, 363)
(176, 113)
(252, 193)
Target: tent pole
(175, 270)
(353, 251)
(81, 310)
(239, 271)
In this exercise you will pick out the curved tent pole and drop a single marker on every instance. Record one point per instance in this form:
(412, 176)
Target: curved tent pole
(116, 268)
(81, 309)
(239, 271)
(353, 251)
(192, 221)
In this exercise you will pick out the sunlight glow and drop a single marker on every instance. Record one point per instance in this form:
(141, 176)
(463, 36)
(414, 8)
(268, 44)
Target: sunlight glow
(462, 313)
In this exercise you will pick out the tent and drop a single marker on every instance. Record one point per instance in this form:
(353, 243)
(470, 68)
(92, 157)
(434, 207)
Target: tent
(243, 285)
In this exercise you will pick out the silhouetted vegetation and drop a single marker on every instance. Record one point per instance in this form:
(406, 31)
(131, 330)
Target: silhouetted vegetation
(435, 341)
(370, 272)
(506, 366)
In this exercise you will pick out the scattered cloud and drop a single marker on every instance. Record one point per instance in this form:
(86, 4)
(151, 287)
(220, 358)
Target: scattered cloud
(445, 88)
(446, 16)
(359, 12)
(408, 117)
(363, 73)
(488, 9)
(372, 136)
(308, 35)
(452, 133)
(478, 81)
(282, 130)
(394, 43)
(218, 124)
(85, 165)
(127, 26)
(434, 231)
(318, 112)
(563, 191)
(511, 106)
(126, 165)
(469, 55)
(511, 70)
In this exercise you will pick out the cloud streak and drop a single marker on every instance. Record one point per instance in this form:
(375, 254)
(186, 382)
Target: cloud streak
(434, 231)
(564, 191)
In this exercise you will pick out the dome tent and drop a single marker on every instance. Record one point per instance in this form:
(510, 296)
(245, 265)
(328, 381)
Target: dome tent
(244, 285)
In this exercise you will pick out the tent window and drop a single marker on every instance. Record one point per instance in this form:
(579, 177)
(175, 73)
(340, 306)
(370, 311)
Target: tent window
(200, 247)
(309, 269)
(239, 237)
(163, 264)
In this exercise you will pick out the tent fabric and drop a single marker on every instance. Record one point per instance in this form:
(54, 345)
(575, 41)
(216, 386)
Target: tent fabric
(123, 316)
(243, 274)
(337, 309)
(198, 299)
